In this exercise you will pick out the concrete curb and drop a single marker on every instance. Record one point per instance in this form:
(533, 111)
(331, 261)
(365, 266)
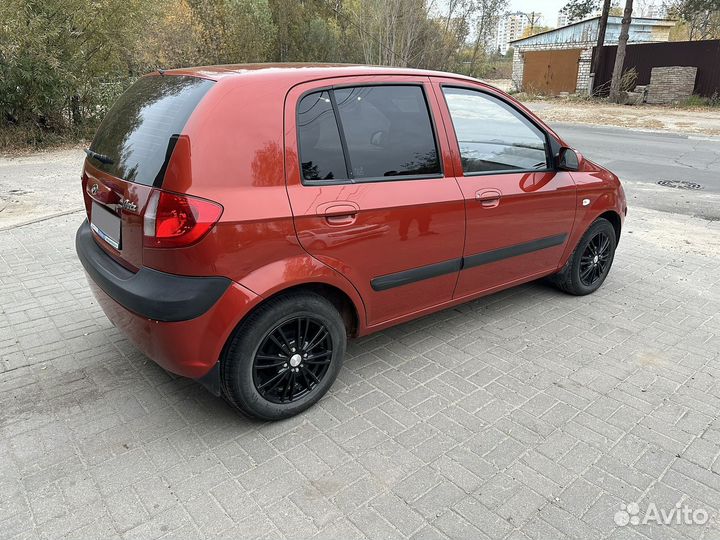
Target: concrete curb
(42, 218)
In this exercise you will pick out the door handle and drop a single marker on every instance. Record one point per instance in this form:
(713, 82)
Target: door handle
(488, 198)
(338, 212)
(346, 219)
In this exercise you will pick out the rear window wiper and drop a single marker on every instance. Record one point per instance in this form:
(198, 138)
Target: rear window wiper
(102, 158)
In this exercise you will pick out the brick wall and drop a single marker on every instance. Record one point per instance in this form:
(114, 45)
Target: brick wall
(671, 84)
(583, 78)
(518, 66)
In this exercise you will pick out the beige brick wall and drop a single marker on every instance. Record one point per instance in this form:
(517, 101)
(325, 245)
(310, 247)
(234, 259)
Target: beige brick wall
(671, 84)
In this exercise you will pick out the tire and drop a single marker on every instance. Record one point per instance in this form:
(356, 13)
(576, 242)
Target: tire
(575, 277)
(260, 372)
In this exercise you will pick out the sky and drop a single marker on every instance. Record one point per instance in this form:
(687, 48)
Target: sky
(549, 8)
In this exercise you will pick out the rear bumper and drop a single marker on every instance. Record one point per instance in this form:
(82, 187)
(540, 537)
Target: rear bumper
(189, 347)
(150, 293)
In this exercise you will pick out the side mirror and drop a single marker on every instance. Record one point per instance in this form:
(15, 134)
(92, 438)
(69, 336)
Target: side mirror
(567, 160)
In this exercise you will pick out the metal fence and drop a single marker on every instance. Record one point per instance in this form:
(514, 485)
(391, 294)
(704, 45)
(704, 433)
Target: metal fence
(705, 55)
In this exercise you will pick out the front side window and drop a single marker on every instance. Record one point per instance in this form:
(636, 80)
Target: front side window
(492, 135)
(386, 130)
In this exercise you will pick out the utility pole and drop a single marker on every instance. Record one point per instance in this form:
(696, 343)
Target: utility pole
(531, 19)
(602, 27)
(620, 56)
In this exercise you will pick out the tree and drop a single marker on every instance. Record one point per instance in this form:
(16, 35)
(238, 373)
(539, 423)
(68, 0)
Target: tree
(234, 31)
(602, 27)
(64, 62)
(309, 31)
(60, 59)
(701, 17)
(487, 17)
(577, 10)
(620, 56)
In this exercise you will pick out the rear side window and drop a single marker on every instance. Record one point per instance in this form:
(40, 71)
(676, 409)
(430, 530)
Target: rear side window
(138, 135)
(320, 148)
(492, 135)
(367, 133)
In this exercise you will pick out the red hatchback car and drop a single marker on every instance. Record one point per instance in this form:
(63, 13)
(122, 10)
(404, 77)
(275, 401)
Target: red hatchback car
(243, 220)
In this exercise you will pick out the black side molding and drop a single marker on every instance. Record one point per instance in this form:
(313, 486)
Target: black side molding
(149, 293)
(416, 274)
(406, 277)
(513, 251)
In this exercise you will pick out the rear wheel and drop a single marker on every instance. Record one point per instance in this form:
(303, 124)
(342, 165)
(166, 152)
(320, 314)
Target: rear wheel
(590, 263)
(284, 357)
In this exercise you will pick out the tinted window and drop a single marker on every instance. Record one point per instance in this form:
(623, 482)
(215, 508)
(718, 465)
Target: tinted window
(388, 131)
(492, 135)
(140, 130)
(321, 154)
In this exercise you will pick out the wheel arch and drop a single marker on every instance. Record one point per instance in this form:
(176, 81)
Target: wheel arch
(585, 222)
(339, 298)
(614, 218)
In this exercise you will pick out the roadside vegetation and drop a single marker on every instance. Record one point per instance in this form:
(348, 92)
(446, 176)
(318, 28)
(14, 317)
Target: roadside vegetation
(699, 102)
(63, 62)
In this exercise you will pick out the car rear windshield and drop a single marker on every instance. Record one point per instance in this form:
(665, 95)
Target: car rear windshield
(137, 137)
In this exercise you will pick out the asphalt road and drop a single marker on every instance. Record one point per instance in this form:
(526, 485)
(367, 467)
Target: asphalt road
(641, 159)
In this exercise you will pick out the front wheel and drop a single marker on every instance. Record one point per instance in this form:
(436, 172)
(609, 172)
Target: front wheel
(590, 262)
(284, 357)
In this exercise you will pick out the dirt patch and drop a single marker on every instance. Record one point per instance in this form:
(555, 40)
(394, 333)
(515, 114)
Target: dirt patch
(696, 121)
(39, 185)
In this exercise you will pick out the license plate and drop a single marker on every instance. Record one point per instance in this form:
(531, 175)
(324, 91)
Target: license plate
(106, 225)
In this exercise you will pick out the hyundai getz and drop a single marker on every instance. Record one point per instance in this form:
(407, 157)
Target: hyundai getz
(243, 221)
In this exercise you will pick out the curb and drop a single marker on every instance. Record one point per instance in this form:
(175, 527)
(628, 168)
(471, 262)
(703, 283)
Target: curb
(42, 218)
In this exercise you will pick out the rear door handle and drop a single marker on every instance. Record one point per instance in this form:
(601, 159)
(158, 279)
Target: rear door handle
(345, 219)
(339, 212)
(489, 198)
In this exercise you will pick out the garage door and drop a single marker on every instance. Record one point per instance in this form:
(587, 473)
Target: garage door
(551, 72)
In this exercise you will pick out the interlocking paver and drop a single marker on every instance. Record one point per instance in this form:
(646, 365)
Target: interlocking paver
(526, 414)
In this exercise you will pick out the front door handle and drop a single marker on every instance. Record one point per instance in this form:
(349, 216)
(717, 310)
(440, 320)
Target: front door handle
(488, 198)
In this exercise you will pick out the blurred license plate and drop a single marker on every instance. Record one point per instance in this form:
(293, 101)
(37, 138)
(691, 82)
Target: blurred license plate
(106, 225)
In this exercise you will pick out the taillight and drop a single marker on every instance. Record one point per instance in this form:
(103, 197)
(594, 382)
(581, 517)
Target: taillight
(173, 220)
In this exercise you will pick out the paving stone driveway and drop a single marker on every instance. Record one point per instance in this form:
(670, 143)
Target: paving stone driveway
(527, 414)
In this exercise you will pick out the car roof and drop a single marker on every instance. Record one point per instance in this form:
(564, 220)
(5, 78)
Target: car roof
(299, 72)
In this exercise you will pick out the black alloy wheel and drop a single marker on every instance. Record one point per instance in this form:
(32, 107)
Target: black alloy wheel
(292, 360)
(594, 261)
(284, 356)
(590, 262)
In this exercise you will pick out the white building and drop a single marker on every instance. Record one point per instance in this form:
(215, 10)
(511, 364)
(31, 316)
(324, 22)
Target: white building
(653, 11)
(511, 26)
(562, 19)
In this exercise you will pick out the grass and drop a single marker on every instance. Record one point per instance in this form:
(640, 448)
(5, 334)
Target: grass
(700, 102)
(22, 139)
